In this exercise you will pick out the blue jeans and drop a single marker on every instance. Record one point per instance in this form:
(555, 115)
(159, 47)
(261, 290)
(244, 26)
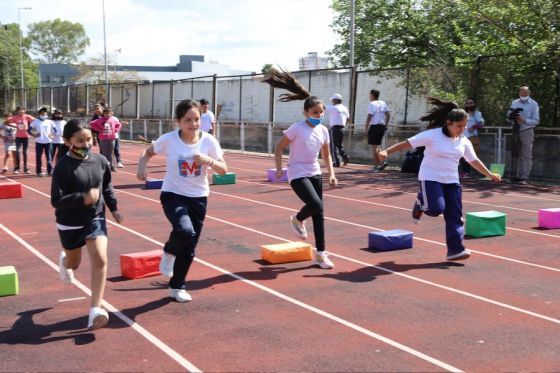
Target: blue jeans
(186, 215)
(437, 198)
(39, 149)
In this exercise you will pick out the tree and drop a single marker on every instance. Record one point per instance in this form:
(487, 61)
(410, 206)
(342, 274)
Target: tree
(57, 41)
(267, 68)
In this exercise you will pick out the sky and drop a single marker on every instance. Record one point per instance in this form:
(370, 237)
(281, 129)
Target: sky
(244, 34)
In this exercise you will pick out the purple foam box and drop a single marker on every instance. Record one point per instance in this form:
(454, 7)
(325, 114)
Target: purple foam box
(271, 175)
(395, 239)
(549, 218)
(153, 184)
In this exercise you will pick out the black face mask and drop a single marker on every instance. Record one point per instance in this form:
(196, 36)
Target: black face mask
(469, 107)
(57, 118)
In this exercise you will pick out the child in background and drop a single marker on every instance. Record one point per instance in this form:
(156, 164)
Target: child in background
(58, 147)
(306, 139)
(81, 187)
(21, 122)
(189, 152)
(9, 143)
(440, 190)
(42, 129)
(107, 126)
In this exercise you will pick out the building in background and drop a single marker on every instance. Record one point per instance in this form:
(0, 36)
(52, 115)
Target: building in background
(189, 66)
(313, 62)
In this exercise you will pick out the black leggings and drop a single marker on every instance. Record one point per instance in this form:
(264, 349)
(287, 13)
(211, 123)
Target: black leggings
(310, 191)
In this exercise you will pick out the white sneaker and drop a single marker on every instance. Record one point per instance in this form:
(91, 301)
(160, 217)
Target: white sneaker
(166, 264)
(298, 227)
(98, 318)
(180, 295)
(66, 275)
(465, 254)
(322, 259)
(120, 165)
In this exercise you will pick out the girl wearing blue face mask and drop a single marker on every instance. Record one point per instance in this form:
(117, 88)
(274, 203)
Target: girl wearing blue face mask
(42, 129)
(306, 139)
(81, 188)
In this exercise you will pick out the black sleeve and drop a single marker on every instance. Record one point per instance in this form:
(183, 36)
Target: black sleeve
(108, 192)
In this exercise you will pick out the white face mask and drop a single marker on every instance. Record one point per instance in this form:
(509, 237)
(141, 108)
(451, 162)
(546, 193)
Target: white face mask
(43, 117)
(524, 98)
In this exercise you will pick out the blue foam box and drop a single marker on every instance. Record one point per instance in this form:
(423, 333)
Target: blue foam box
(395, 239)
(154, 184)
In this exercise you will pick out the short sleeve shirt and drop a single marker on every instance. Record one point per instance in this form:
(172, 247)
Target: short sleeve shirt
(183, 175)
(377, 110)
(442, 155)
(206, 120)
(305, 145)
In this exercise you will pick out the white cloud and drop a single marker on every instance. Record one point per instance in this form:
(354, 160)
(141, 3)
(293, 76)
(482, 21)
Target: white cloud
(245, 34)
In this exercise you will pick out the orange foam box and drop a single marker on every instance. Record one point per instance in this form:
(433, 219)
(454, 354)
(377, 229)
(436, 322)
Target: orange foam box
(287, 252)
(10, 190)
(140, 265)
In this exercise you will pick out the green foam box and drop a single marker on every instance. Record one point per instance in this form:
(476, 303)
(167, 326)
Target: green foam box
(227, 178)
(8, 281)
(486, 223)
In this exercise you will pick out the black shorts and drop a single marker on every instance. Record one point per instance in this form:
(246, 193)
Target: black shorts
(76, 238)
(375, 134)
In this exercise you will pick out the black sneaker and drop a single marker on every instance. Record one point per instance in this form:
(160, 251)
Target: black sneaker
(382, 166)
(416, 212)
(345, 161)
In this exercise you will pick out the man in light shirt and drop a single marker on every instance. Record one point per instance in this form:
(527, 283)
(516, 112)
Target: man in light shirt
(524, 126)
(378, 116)
(207, 119)
(338, 116)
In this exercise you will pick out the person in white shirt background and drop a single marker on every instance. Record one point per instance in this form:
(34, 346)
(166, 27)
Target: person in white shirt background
(306, 139)
(440, 190)
(475, 122)
(58, 146)
(338, 117)
(378, 115)
(42, 129)
(207, 118)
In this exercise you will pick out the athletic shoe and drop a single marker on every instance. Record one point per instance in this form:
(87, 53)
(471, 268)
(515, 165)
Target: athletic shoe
(416, 212)
(120, 165)
(465, 254)
(16, 170)
(382, 166)
(26, 172)
(345, 161)
(4, 170)
(66, 275)
(113, 169)
(322, 259)
(166, 264)
(180, 295)
(522, 182)
(298, 227)
(98, 318)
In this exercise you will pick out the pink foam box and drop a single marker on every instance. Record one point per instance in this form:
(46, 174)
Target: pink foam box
(549, 218)
(271, 175)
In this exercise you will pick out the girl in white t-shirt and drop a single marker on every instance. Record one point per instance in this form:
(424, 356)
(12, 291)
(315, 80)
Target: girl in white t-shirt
(184, 193)
(58, 146)
(440, 191)
(305, 139)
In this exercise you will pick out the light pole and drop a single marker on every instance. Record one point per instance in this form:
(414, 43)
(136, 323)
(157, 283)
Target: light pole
(22, 85)
(105, 53)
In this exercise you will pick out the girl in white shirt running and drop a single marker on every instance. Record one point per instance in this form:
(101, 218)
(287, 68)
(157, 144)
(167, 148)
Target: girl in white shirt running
(184, 193)
(306, 139)
(440, 191)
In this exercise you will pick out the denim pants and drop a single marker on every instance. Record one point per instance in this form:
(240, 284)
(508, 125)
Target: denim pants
(23, 142)
(39, 150)
(186, 215)
(310, 191)
(337, 136)
(437, 198)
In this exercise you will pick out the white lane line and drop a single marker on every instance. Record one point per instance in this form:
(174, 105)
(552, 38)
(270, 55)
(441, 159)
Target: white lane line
(413, 278)
(318, 311)
(133, 324)
(71, 299)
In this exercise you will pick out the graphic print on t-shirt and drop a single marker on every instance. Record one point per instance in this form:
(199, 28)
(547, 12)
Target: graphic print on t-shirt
(188, 167)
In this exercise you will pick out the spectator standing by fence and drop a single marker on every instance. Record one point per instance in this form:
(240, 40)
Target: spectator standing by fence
(21, 122)
(207, 118)
(523, 115)
(378, 115)
(338, 117)
(475, 122)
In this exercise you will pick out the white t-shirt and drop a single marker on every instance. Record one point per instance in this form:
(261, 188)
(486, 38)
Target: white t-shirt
(338, 115)
(442, 155)
(45, 128)
(305, 145)
(377, 110)
(58, 130)
(206, 120)
(182, 175)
